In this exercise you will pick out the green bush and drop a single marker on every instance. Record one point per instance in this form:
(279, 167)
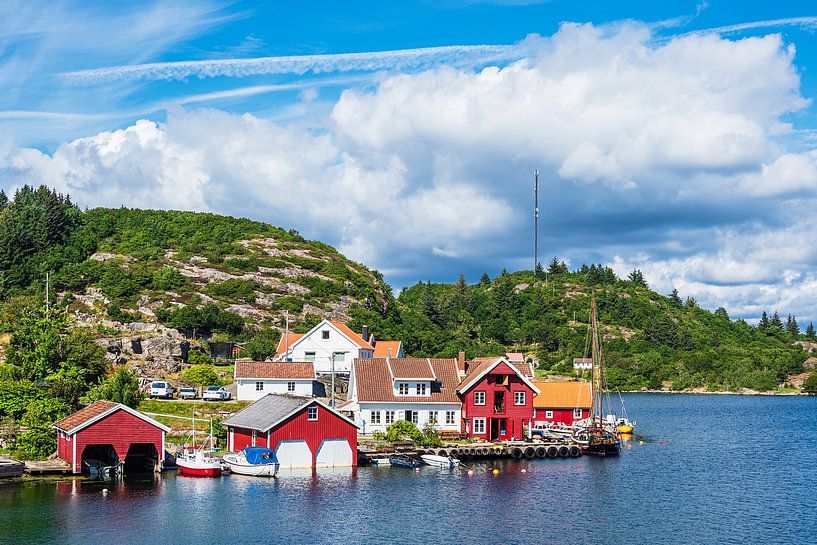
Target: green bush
(202, 375)
(168, 278)
(35, 444)
(121, 387)
(263, 344)
(198, 357)
(235, 288)
(810, 384)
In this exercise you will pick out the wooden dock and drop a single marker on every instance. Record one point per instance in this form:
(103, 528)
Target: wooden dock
(11, 468)
(473, 451)
(47, 467)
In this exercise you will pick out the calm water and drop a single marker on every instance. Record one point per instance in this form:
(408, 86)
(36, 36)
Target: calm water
(722, 469)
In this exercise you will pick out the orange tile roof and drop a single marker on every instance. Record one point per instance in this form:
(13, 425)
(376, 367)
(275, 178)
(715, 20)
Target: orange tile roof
(524, 368)
(85, 414)
(515, 357)
(405, 368)
(387, 349)
(357, 339)
(282, 344)
(374, 383)
(268, 369)
(562, 395)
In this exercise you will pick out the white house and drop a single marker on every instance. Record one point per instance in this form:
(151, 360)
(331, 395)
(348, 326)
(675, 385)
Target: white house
(419, 390)
(255, 379)
(326, 344)
(582, 364)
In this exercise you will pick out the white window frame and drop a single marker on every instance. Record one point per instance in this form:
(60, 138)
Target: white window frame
(519, 398)
(450, 417)
(478, 426)
(479, 397)
(421, 388)
(577, 413)
(290, 386)
(259, 385)
(402, 388)
(309, 356)
(548, 414)
(312, 414)
(389, 417)
(432, 417)
(325, 335)
(374, 417)
(415, 417)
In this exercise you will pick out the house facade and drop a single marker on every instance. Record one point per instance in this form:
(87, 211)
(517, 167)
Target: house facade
(419, 390)
(561, 402)
(304, 433)
(112, 433)
(255, 379)
(497, 400)
(330, 346)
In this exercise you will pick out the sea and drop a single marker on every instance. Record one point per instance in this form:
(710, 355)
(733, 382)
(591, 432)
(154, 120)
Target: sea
(700, 469)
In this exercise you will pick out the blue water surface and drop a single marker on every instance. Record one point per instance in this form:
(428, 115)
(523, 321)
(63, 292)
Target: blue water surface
(701, 469)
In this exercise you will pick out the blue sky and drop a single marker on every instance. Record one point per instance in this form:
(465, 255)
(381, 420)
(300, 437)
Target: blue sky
(676, 137)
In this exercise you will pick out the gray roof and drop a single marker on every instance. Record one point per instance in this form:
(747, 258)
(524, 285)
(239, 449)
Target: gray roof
(266, 412)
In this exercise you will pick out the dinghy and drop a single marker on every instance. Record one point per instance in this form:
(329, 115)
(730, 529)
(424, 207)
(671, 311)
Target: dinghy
(446, 462)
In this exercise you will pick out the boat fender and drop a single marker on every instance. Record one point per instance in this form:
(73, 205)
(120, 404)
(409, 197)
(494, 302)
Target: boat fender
(516, 452)
(442, 452)
(553, 452)
(454, 453)
(564, 452)
(541, 452)
(530, 452)
(575, 451)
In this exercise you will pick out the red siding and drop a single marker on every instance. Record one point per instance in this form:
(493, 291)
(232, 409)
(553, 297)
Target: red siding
(560, 416)
(120, 429)
(298, 428)
(515, 416)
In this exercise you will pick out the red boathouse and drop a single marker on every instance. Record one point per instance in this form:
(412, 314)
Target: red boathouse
(561, 402)
(111, 433)
(497, 400)
(304, 433)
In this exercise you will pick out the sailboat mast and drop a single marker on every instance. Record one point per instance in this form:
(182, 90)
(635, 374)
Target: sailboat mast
(593, 355)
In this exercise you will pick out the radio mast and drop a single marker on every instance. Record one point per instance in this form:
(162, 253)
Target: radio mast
(535, 222)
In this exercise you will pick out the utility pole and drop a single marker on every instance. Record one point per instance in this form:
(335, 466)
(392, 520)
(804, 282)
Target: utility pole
(286, 335)
(332, 394)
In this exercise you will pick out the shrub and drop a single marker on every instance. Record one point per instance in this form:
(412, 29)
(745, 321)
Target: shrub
(202, 375)
(168, 278)
(198, 357)
(263, 345)
(121, 387)
(810, 384)
(235, 288)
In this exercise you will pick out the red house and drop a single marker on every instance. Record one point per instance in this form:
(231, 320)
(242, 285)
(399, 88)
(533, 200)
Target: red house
(561, 402)
(497, 400)
(304, 433)
(111, 433)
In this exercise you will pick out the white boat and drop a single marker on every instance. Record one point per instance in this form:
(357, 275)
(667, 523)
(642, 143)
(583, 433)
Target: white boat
(439, 461)
(381, 462)
(253, 461)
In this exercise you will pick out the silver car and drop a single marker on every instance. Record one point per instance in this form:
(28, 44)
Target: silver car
(188, 393)
(216, 393)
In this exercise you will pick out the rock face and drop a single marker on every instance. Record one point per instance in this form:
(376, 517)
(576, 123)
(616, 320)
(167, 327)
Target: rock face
(149, 355)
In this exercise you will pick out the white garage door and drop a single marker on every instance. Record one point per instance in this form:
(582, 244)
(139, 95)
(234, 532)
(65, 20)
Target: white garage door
(293, 454)
(334, 453)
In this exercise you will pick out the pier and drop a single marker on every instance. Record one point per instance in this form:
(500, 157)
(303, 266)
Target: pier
(473, 451)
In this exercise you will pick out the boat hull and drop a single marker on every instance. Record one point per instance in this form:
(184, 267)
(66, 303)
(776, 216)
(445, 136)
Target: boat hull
(241, 467)
(404, 462)
(624, 429)
(439, 461)
(199, 471)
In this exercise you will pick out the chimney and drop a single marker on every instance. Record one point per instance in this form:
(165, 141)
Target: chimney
(365, 333)
(461, 360)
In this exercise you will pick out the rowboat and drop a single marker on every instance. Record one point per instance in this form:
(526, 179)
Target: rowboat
(446, 462)
(253, 461)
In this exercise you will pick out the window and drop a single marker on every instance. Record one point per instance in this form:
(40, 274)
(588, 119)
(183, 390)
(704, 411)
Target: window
(548, 414)
(432, 417)
(338, 357)
(291, 386)
(450, 417)
(415, 417)
(421, 388)
(312, 414)
(325, 334)
(403, 388)
(479, 426)
(374, 417)
(479, 398)
(389, 417)
(253, 437)
(259, 386)
(519, 398)
(577, 413)
(309, 356)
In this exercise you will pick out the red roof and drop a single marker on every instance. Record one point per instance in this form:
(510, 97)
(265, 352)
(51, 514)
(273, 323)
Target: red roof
(482, 365)
(268, 369)
(355, 338)
(524, 368)
(282, 344)
(563, 395)
(373, 381)
(85, 414)
(411, 368)
(387, 349)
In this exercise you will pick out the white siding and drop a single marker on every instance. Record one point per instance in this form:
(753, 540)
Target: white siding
(325, 348)
(362, 415)
(246, 389)
(414, 388)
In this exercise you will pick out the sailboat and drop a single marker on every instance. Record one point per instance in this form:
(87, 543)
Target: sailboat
(622, 424)
(594, 438)
(194, 460)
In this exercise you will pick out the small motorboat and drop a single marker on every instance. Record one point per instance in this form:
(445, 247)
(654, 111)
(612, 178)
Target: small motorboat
(253, 461)
(381, 462)
(404, 461)
(446, 462)
(198, 462)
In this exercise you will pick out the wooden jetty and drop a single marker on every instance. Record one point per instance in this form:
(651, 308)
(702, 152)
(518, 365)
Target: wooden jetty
(11, 468)
(48, 467)
(474, 451)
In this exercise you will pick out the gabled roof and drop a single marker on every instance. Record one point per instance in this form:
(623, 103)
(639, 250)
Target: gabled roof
(373, 381)
(582, 360)
(482, 366)
(525, 368)
(280, 369)
(97, 411)
(411, 369)
(563, 395)
(387, 349)
(271, 410)
(282, 343)
(354, 337)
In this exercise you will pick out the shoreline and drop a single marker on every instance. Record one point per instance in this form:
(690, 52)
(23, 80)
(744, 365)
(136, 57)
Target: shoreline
(739, 393)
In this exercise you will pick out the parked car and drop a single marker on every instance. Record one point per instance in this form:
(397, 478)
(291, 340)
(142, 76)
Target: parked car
(216, 393)
(188, 393)
(161, 389)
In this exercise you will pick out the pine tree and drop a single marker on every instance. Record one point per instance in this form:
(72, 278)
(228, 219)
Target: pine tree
(792, 327)
(555, 266)
(4, 200)
(430, 304)
(691, 302)
(810, 334)
(637, 278)
(539, 272)
(675, 298)
(763, 324)
(485, 280)
(776, 322)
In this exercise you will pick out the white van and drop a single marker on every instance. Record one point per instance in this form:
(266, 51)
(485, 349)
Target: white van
(161, 389)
